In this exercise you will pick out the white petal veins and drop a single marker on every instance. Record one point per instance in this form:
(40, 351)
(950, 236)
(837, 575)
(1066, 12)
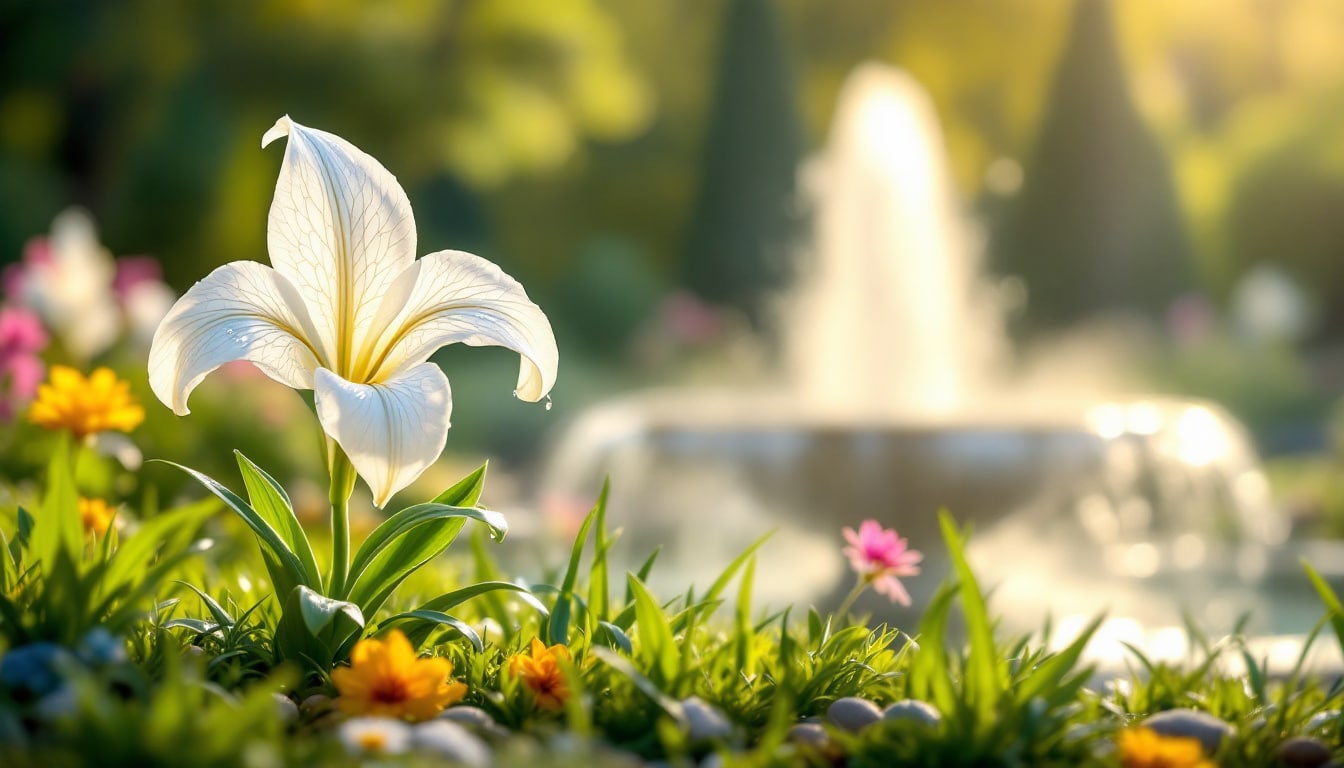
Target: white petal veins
(341, 229)
(391, 431)
(456, 297)
(241, 311)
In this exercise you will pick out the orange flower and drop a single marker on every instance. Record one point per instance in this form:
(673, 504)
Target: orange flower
(96, 515)
(540, 671)
(1145, 748)
(387, 679)
(86, 406)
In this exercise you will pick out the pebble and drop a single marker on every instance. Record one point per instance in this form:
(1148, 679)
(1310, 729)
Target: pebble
(1191, 723)
(853, 714)
(285, 708)
(318, 702)
(1303, 752)
(704, 722)
(475, 718)
(446, 738)
(813, 737)
(914, 710)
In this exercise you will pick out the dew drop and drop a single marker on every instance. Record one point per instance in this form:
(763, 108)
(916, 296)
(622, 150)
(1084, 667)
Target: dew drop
(515, 394)
(548, 402)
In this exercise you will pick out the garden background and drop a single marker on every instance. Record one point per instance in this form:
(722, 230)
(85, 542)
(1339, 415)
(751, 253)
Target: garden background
(635, 165)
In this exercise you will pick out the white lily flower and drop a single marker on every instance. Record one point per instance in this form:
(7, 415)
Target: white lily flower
(348, 311)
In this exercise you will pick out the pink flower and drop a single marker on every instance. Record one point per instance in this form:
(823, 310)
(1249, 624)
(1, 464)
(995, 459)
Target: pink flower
(879, 556)
(21, 338)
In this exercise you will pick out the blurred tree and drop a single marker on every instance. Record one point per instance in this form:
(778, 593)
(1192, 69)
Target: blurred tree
(747, 218)
(1097, 226)
(150, 113)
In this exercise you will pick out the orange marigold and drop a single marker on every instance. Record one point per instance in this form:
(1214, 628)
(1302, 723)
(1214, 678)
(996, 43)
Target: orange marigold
(96, 515)
(83, 406)
(540, 671)
(1145, 748)
(386, 678)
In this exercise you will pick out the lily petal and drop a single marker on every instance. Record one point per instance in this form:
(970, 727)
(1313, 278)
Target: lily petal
(241, 311)
(391, 431)
(453, 296)
(341, 230)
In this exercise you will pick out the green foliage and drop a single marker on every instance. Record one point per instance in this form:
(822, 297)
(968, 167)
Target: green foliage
(160, 722)
(638, 659)
(56, 584)
(318, 624)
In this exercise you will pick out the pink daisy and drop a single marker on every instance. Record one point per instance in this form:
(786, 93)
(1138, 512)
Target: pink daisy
(879, 556)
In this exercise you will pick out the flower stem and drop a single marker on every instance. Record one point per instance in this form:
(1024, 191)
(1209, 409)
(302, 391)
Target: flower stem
(859, 585)
(342, 474)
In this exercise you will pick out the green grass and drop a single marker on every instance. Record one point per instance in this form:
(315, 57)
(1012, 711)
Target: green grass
(205, 661)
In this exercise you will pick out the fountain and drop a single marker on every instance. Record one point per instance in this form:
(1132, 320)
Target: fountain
(892, 406)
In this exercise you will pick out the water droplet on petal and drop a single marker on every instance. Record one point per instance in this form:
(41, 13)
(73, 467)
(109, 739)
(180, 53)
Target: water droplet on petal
(548, 402)
(515, 393)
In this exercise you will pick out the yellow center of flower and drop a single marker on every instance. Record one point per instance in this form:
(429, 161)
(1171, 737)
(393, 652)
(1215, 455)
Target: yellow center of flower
(371, 740)
(83, 406)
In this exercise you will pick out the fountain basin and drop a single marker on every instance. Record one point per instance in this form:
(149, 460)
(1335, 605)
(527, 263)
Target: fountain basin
(703, 474)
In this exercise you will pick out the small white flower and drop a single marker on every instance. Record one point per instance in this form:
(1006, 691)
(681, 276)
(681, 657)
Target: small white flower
(348, 312)
(376, 735)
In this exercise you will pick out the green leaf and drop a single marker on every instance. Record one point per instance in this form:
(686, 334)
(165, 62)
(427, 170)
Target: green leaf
(316, 630)
(598, 599)
(1331, 600)
(617, 637)
(716, 589)
(658, 646)
(984, 679)
(133, 593)
(217, 612)
(643, 573)
(1046, 679)
(557, 628)
(405, 542)
(434, 618)
(621, 664)
(450, 600)
(744, 639)
(272, 504)
(287, 571)
(168, 532)
(199, 626)
(59, 527)
(319, 611)
(930, 673)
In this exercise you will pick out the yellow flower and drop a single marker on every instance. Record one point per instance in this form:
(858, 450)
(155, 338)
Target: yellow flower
(86, 406)
(540, 671)
(1146, 748)
(387, 679)
(96, 515)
